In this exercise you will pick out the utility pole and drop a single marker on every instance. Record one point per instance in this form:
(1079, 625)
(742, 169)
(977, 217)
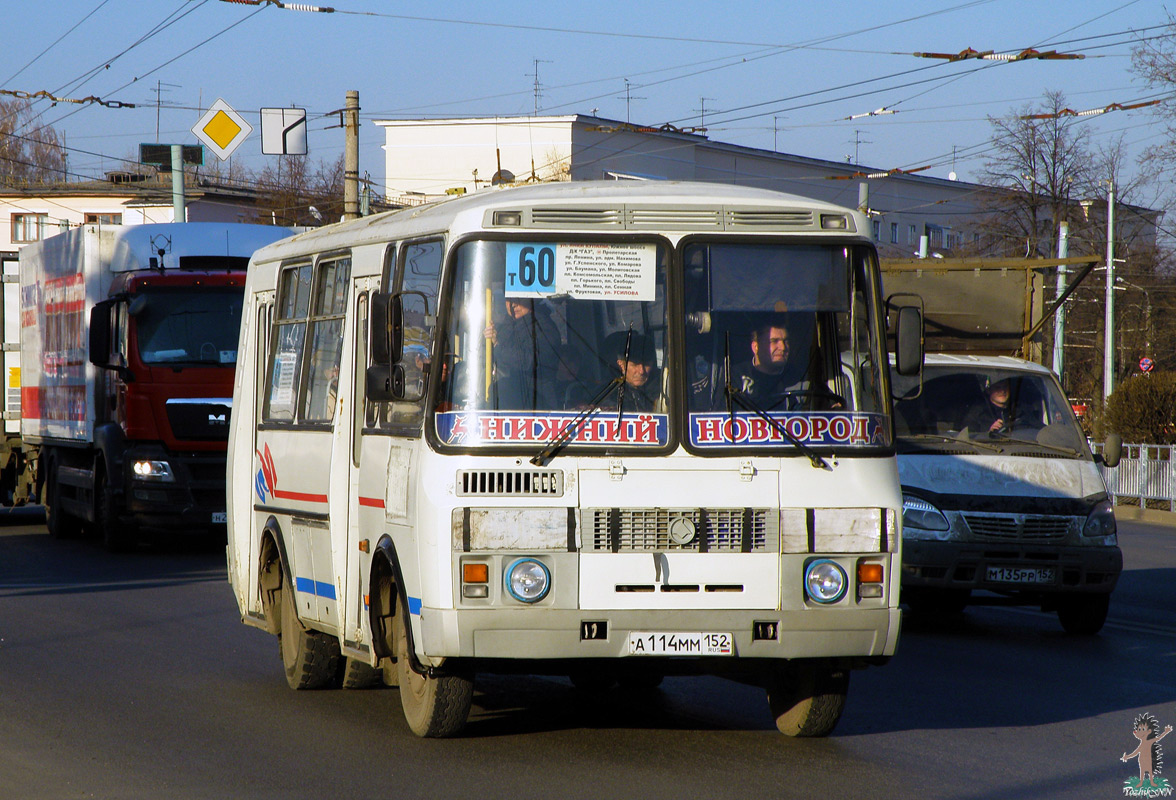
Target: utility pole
(351, 156)
(1059, 350)
(1109, 322)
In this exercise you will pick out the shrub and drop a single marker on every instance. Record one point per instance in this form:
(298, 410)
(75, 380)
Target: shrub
(1143, 409)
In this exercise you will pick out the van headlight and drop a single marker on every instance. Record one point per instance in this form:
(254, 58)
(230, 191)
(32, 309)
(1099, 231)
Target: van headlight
(527, 580)
(918, 513)
(824, 581)
(1101, 521)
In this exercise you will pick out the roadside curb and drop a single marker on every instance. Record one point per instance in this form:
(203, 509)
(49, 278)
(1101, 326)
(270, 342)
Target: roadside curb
(1152, 515)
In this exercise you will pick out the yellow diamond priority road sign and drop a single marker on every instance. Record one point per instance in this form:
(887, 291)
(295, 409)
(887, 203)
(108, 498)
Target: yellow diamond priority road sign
(222, 129)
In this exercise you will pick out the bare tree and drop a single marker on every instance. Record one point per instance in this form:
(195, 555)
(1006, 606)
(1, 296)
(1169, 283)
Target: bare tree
(1154, 60)
(291, 188)
(30, 151)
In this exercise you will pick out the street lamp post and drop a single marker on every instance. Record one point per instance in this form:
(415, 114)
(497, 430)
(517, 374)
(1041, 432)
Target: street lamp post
(1109, 322)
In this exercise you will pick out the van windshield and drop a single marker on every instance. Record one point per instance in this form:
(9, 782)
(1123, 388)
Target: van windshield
(988, 406)
(542, 331)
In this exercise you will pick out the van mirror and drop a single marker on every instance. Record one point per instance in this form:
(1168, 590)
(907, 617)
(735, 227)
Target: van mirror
(100, 334)
(1112, 450)
(908, 341)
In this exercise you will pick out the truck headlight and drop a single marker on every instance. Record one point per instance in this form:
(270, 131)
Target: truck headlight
(527, 580)
(153, 471)
(1101, 521)
(918, 513)
(824, 581)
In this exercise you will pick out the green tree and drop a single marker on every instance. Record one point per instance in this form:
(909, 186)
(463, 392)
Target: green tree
(1143, 409)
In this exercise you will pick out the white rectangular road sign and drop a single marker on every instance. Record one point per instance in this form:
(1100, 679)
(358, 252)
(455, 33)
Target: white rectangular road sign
(283, 131)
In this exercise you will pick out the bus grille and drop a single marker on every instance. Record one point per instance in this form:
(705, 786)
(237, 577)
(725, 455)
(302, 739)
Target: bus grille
(507, 482)
(648, 529)
(1018, 526)
(769, 219)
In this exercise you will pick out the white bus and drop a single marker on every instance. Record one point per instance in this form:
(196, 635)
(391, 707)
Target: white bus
(610, 431)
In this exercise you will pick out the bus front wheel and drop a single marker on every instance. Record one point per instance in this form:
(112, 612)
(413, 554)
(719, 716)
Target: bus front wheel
(311, 658)
(435, 706)
(807, 700)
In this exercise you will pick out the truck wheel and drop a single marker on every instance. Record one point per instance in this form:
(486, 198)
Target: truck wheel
(1084, 614)
(60, 524)
(807, 701)
(435, 706)
(311, 658)
(116, 537)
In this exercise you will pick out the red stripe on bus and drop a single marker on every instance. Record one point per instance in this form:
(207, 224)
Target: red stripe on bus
(304, 497)
(371, 502)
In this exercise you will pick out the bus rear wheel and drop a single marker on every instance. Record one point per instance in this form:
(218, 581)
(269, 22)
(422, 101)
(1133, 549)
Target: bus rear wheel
(807, 700)
(311, 658)
(435, 706)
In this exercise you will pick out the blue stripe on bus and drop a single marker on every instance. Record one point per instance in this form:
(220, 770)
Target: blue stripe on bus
(317, 588)
(414, 606)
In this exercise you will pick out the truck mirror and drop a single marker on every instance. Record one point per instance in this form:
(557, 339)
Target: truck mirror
(1112, 450)
(100, 334)
(908, 344)
(385, 332)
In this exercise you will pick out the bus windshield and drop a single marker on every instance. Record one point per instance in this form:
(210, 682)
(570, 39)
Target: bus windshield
(782, 347)
(546, 333)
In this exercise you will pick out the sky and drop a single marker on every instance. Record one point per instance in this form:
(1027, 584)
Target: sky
(786, 76)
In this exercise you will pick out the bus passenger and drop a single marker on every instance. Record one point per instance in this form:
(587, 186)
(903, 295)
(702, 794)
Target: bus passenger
(526, 346)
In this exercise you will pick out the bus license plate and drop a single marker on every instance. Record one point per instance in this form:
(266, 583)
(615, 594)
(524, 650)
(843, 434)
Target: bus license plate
(647, 643)
(1021, 574)
(219, 516)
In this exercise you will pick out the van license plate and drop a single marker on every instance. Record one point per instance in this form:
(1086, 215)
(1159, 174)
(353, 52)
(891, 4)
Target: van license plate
(647, 643)
(219, 516)
(1021, 574)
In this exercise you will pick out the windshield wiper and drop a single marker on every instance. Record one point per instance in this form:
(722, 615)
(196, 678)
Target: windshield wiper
(560, 440)
(552, 448)
(939, 437)
(738, 396)
(1057, 448)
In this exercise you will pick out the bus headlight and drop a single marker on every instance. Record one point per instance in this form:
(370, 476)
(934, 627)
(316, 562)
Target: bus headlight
(153, 471)
(824, 581)
(527, 580)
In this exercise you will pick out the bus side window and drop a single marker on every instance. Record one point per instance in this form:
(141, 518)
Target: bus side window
(289, 332)
(326, 339)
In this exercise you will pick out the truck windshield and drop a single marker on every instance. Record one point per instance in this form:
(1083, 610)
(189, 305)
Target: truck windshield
(987, 406)
(541, 330)
(180, 326)
(782, 347)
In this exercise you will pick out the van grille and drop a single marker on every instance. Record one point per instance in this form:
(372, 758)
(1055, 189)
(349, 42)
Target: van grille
(1018, 526)
(504, 482)
(648, 529)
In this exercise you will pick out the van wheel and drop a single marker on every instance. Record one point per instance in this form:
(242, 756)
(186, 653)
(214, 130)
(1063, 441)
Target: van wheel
(311, 658)
(937, 602)
(807, 701)
(434, 706)
(1084, 614)
(60, 524)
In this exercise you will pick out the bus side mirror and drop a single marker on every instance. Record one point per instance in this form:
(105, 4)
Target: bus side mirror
(1112, 450)
(385, 384)
(386, 336)
(100, 334)
(908, 341)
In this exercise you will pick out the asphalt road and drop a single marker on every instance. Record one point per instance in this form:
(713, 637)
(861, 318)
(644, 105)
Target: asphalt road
(130, 676)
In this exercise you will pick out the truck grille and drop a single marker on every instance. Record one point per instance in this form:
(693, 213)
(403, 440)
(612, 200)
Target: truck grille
(649, 529)
(200, 419)
(1018, 526)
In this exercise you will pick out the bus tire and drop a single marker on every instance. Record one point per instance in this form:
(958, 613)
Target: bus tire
(1083, 614)
(311, 658)
(360, 675)
(435, 706)
(807, 701)
(60, 524)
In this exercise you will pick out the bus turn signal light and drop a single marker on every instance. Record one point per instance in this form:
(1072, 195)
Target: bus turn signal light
(869, 573)
(475, 573)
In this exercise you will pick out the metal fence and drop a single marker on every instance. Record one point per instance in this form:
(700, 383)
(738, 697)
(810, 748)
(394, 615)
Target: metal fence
(1143, 474)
